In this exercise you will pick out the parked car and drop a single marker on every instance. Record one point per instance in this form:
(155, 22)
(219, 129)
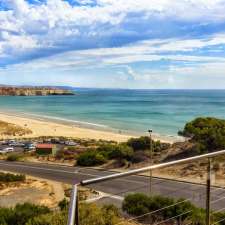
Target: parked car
(55, 141)
(4, 142)
(70, 143)
(6, 150)
(11, 142)
(16, 144)
(62, 142)
(29, 146)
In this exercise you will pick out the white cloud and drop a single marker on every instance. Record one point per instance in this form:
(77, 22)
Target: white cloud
(173, 50)
(57, 23)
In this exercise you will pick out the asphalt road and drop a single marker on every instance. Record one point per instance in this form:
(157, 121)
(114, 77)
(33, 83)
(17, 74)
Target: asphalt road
(120, 187)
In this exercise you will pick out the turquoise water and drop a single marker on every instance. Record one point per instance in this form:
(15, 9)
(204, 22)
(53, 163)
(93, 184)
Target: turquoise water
(164, 111)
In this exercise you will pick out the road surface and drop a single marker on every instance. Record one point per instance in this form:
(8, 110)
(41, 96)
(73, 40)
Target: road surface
(120, 187)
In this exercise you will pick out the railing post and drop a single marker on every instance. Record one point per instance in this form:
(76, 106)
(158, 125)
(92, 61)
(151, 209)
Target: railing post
(208, 192)
(73, 209)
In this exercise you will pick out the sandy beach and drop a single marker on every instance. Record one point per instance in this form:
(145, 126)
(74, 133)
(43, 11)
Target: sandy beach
(41, 126)
(49, 128)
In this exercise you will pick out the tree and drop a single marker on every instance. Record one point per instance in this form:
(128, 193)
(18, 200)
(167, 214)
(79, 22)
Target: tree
(208, 133)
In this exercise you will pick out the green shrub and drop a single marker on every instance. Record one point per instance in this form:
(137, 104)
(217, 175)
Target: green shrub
(90, 158)
(139, 204)
(91, 214)
(20, 214)
(13, 157)
(63, 205)
(141, 143)
(59, 218)
(107, 149)
(121, 151)
(136, 204)
(144, 143)
(9, 177)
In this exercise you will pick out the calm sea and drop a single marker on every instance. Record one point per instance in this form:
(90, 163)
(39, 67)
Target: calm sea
(163, 111)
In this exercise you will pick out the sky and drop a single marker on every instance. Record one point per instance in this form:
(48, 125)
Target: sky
(153, 44)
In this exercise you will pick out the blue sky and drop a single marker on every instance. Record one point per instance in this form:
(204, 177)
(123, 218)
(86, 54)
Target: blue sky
(113, 43)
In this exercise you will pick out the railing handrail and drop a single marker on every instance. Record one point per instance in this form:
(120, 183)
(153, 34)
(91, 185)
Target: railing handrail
(153, 167)
(73, 212)
(73, 208)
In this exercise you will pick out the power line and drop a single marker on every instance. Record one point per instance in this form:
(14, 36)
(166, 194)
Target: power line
(155, 211)
(174, 217)
(219, 221)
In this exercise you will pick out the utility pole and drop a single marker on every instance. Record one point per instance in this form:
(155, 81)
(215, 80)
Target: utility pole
(208, 192)
(151, 162)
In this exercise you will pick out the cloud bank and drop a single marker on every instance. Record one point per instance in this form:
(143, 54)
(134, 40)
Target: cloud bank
(143, 44)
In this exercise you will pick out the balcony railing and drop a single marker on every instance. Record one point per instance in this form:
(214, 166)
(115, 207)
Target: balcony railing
(73, 217)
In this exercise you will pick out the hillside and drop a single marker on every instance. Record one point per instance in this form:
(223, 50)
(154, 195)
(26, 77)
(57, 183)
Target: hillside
(33, 91)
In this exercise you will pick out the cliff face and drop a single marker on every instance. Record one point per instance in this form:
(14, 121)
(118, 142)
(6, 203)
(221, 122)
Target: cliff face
(33, 91)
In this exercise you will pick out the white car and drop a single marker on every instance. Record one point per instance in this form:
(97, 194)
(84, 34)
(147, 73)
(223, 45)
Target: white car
(6, 150)
(70, 143)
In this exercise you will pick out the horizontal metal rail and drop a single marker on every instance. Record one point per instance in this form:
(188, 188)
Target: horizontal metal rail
(153, 167)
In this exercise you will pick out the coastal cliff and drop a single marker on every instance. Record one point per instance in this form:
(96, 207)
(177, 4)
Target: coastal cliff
(33, 91)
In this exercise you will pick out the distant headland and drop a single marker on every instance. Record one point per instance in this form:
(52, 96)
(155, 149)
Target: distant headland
(33, 91)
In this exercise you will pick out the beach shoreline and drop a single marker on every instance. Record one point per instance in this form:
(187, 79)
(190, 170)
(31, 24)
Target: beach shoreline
(52, 126)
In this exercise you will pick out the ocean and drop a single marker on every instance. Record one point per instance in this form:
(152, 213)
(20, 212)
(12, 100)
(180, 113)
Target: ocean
(163, 111)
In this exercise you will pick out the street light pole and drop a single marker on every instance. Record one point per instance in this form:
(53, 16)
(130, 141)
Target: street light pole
(208, 192)
(150, 156)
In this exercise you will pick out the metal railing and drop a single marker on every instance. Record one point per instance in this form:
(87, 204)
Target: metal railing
(73, 211)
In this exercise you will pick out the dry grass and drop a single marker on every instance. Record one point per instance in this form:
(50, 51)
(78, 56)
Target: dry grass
(9, 129)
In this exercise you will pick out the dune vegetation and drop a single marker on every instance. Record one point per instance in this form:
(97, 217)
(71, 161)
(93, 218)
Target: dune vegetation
(9, 129)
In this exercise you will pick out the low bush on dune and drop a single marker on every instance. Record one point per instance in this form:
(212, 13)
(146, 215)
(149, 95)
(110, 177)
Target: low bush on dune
(134, 150)
(91, 158)
(144, 143)
(104, 153)
(119, 151)
(14, 157)
(9, 177)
